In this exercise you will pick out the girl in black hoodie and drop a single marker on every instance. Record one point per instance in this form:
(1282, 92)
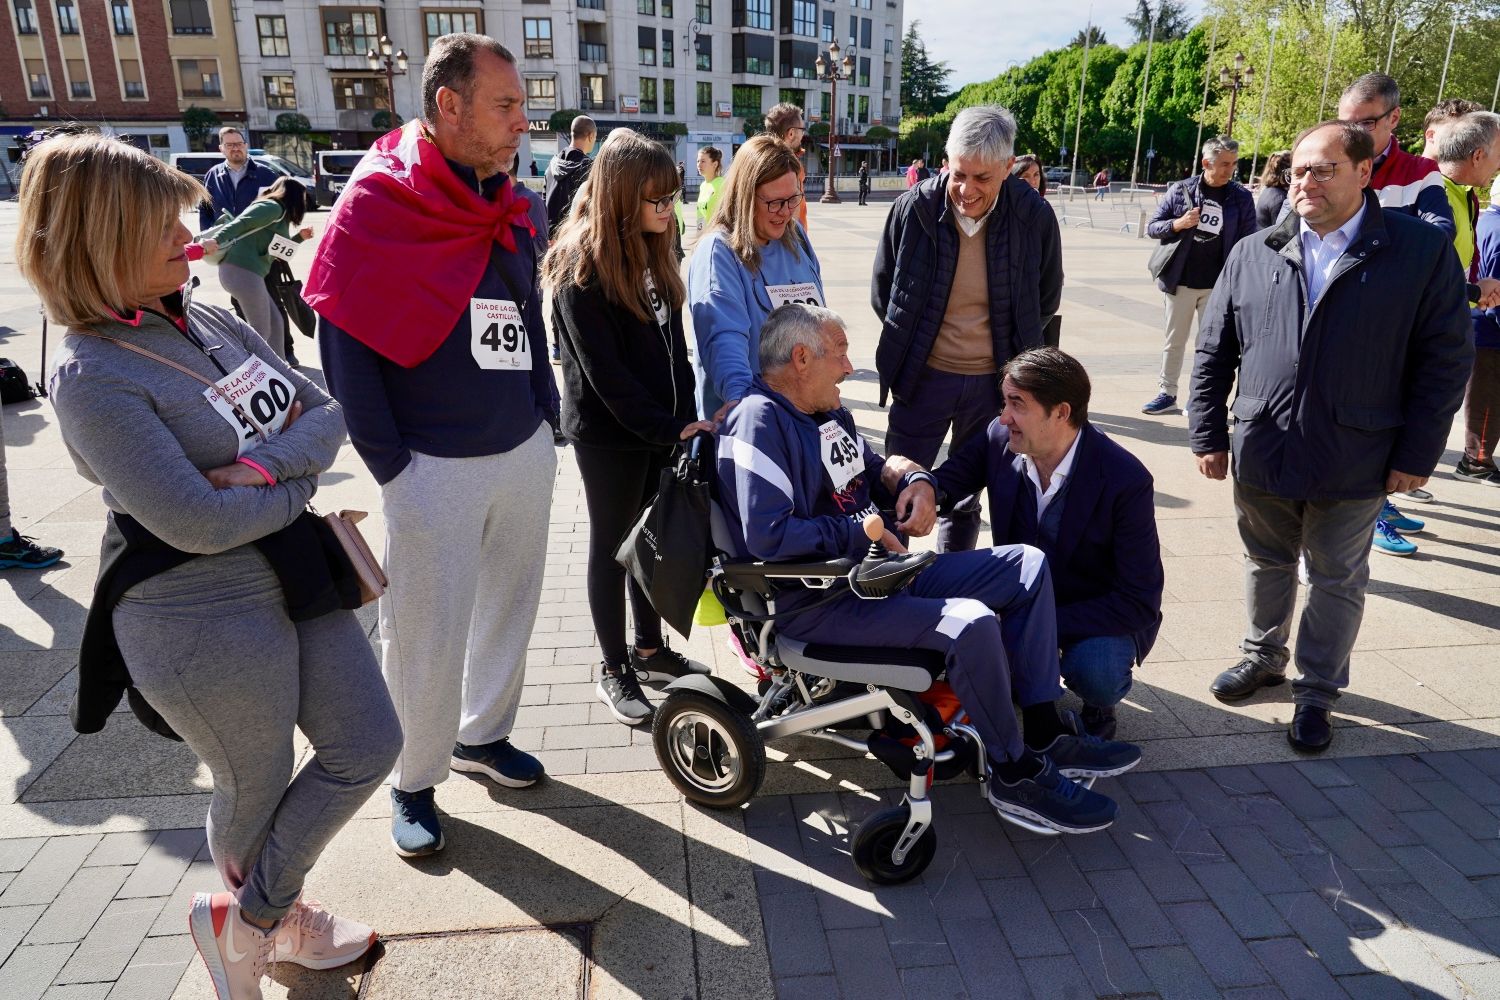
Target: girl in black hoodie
(627, 387)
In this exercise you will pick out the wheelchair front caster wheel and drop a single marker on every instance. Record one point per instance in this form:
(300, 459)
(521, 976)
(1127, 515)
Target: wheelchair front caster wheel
(874, 843)
(711, 752)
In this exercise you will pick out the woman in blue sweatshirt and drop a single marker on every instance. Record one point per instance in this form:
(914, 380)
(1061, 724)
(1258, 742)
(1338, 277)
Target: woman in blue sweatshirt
(627, 388)
(754, 258)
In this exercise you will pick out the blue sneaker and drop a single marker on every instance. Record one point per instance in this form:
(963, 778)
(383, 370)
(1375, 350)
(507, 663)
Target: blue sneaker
(415, 830)
(1388, 540)
(21, 552)
(498, 761)
(1054, 801)
(1401, 522)
(1160, 404)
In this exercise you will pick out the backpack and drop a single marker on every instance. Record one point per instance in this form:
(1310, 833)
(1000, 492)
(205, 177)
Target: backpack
(15, 387)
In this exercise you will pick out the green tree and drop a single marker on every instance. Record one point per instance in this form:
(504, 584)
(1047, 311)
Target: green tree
(292, 123)
(1172, 21)
(197, 123)
(1095, 37)
(924, 80)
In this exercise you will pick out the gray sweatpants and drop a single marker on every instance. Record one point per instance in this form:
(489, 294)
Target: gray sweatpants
(1182, 306)
(233, 675)
(249, 290)
(4, 485)
(1336, 536)
(466, 547)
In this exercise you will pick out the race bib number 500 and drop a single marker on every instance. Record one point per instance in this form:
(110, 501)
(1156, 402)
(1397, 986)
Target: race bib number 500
(262, 394)
(498, 336)
(841, 456)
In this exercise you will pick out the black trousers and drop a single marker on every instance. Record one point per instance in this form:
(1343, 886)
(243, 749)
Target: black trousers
(616, 486)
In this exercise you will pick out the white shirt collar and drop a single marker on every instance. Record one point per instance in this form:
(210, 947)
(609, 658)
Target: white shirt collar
(967, 225)
(1060, 475)
(1346, 232)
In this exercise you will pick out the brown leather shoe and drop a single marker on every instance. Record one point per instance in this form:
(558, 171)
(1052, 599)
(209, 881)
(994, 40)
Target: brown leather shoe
(1244, 679)
(1311, 730)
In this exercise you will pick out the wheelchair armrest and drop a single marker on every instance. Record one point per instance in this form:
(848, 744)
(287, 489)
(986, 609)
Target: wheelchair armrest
(763, 577)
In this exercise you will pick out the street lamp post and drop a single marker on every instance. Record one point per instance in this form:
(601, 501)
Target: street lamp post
(394, 65)
(833, 71)
(1242, 76)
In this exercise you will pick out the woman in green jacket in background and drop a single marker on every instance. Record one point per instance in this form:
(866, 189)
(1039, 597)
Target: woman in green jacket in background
(248, 243)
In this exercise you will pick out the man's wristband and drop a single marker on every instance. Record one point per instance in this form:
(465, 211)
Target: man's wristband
(920, 476)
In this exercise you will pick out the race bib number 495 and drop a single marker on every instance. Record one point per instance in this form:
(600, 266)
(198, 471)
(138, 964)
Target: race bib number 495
(840, 454)
(804, 294)
(497, 336)
(263, 395)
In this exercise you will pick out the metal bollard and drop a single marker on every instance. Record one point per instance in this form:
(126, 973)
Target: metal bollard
(1140, 226)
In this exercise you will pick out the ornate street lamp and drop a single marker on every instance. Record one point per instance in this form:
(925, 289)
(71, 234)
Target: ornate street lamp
(832, 70)
(1242, 77)
(394, 65)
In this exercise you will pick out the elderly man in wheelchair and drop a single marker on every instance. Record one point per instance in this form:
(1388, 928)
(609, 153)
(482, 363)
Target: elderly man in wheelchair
(852, 631)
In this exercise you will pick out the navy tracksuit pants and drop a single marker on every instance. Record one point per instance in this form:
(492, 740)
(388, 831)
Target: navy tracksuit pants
(990, 612)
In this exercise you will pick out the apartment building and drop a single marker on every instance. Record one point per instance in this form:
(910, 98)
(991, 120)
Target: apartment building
(129, 66)
(703, 64)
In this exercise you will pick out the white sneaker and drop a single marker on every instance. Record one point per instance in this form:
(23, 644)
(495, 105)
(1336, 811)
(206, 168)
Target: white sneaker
(313, 938)
(234, 950)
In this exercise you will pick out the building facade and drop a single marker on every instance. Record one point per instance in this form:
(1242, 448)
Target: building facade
(705, 65)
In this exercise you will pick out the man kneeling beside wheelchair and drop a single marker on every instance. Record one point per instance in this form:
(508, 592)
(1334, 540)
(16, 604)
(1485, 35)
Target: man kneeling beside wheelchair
(795, 483)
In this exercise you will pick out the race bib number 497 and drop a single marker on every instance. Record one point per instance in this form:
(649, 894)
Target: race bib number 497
(498, 336)
(262, 394)
(840, 454)
(804, 294)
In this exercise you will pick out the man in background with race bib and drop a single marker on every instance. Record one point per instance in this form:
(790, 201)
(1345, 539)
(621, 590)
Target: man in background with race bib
(432, 338)
(967, 275)
(1205, 216)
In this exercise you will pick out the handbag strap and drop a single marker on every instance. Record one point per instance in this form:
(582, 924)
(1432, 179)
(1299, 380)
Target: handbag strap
(143, 352)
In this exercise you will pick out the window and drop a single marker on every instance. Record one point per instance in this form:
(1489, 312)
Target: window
(593, 52)
(36, 73)
(890, 40)
(123, 17)
(190, 17)
(67, 18)
(669, 97)
(591, 92)
(590, 4)
(360, 93)
(281, 92)
(538, 31)
(666, 8)
(746, 101)
(78, 80)
(799, 60)
(130, 76)
(272, 32)
(864, 32)
(645, 40)
(541, 93)
(705, 49)
(864, 109)
(752, 14)
(853, 30)
(349, 32)
(704, 11)
(199, 77)
(645, 7)
(825, 102)
(752, 54)
(792, 97)
(667, 59)
(864, 71)
(827, 33)
(26, 20)
(438, 23)
(648, 96)
(799, 17)
(706, 99)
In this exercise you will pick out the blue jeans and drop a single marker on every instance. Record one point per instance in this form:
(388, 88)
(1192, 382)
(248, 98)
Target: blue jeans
(1098, 669)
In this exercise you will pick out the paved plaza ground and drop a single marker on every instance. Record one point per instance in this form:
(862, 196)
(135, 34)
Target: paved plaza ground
(1235, 869)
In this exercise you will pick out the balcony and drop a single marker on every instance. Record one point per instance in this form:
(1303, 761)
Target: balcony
(591, 11)
(593, 52)
(589, 104)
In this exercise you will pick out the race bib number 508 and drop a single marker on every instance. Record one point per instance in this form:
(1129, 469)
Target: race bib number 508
(498, 336)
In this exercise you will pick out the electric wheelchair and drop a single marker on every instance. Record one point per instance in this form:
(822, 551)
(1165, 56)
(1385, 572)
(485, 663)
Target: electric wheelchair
(710, 734)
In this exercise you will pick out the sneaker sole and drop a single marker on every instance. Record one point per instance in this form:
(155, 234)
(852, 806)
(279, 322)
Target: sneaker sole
(1408, 531)
(599, 693)
(1408, 498)
(1231, 698)
(474, 767)
(1388, 552)
(1484, 480)
(19, 564)
(1093, 772)
(201, 926)
(418, 854)
(1012, 809)
(323, 965)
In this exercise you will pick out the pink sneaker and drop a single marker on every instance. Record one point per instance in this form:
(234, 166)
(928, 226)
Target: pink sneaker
(234, 951)
(313, 938)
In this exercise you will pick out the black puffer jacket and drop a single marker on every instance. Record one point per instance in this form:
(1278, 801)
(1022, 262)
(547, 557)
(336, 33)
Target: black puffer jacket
(914, 266)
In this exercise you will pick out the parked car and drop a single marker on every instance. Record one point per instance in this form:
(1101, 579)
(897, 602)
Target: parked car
(1056, 175)
(331, 170)
(198, 164)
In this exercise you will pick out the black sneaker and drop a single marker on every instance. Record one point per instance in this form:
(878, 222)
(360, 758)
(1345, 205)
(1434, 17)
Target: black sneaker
(498, 761)
(1084, 756)
(1098, 720)
(1054, 801)
(21, 552)
(621, 691)
(664, 666)
(415, 830)
(1476, 472)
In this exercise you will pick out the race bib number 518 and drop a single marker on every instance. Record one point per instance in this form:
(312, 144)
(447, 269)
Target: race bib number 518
(498, 336)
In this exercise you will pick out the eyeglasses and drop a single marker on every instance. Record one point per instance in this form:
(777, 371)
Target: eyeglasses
(663, 203)
(1321, 172)
(776, 206)
(1368, 124)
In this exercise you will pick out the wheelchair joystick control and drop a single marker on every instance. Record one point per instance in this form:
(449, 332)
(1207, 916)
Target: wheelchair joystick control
(874, 527)
(883, 573)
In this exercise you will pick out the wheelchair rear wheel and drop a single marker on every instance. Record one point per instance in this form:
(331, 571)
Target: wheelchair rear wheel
(876, 839)
(712, 753)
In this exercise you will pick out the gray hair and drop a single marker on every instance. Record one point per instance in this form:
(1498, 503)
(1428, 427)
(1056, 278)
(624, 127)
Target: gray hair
(986, 132)
(1371, 86)
(1459, 140)
(1220, 144)
(790, 325)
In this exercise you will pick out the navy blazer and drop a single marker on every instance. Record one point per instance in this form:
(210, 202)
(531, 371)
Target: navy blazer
(226, 196)
(1106, 563)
